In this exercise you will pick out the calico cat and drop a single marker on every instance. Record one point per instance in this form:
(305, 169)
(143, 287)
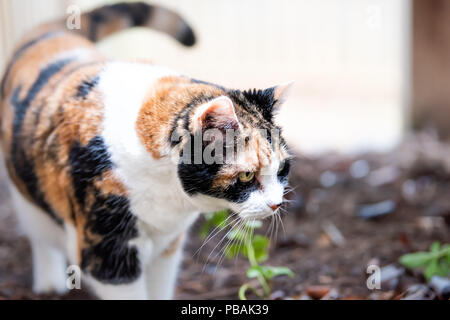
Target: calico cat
(97, 177)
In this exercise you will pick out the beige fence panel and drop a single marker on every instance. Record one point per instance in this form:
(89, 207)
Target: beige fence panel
(349, 58)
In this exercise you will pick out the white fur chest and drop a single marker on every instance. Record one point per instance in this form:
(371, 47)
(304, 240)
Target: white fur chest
(155, 194)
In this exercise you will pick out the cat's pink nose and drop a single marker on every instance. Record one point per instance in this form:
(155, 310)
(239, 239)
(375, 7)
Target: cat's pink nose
(274, 207)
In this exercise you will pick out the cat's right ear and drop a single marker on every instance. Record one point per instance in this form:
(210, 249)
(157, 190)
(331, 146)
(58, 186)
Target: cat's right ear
(218, 113)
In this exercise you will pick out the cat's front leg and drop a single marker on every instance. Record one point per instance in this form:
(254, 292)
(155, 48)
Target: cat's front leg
(162, 271)
(120, 272)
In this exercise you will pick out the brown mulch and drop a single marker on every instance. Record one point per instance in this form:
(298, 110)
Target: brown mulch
(347, 212)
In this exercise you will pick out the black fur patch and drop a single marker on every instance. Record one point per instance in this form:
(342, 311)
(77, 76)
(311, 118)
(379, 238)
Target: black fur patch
(97, 18)
(23, 165)
(263, 100)
(110, 259)
(196, 178)
(238, 192)
(87, 163)
(86, 87)
(199, 178)
(256, 101)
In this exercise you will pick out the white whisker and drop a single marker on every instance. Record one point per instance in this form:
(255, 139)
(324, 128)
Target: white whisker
(221, 240)
(214, 233)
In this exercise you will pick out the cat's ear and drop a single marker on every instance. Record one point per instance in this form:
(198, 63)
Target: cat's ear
(218, 113)
(268, 101)
(280, 93)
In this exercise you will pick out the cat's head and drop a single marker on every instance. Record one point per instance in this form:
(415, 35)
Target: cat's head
(233, 155)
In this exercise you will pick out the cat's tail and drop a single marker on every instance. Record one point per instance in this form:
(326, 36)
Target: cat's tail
(104, 21)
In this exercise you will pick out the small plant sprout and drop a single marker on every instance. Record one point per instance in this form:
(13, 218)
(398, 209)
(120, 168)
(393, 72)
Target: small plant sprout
(254, 247)
(436, 262)
(214, 221)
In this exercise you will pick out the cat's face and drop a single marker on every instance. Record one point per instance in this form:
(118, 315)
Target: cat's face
(235, 156)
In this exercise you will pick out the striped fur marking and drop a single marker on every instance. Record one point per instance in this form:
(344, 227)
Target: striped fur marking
(86, 87)
(19, 52)
(23, 164)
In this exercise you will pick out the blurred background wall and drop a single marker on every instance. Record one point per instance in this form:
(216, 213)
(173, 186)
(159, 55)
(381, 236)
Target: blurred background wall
(431, 65)
(350, 59)
(18, 16)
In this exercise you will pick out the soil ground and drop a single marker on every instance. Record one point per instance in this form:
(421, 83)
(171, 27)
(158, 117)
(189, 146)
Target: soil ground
(347, 212)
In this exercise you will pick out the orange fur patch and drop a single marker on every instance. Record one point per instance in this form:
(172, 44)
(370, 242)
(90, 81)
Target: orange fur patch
(173, 246)
(166, 99)
(26, 69)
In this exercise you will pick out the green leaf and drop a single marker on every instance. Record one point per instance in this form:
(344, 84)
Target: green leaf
(218, 219)
(253, 224)
(444, 268)
(254, 272)
(260, 246)
(232, 251)
(435, 262)
(213, 220)
(446, 249)
(435, 246)
(416, 260)
(271, 272)
(237, 235)
(432, 269)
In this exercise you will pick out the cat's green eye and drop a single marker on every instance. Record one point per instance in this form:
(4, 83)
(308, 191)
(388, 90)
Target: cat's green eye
(246, 177)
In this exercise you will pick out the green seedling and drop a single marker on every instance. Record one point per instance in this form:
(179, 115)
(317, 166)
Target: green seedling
(213, 221)
(435, 262)
(252, 246)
